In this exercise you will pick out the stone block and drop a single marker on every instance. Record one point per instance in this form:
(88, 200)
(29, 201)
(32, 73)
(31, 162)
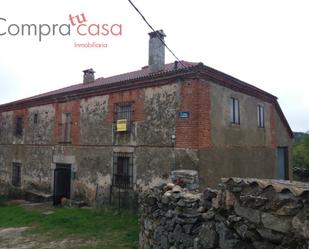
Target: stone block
(270, 235)
(279, 224)
(250, 214)
(301, 226)
(208, 236)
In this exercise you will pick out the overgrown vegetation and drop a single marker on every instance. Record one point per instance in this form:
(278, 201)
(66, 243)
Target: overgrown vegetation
(301, 152)
(110, 229)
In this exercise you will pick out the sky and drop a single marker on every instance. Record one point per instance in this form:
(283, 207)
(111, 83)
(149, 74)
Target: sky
(262, 42)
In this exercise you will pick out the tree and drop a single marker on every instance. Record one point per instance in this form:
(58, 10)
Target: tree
(301, 152)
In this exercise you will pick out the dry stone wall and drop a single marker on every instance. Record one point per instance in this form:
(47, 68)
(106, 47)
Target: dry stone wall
(241, 213)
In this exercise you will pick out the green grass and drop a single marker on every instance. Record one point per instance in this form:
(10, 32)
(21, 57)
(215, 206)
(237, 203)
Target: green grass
(113, 230)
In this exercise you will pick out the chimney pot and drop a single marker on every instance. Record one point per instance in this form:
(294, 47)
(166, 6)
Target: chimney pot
(88, 76)
(156, 51)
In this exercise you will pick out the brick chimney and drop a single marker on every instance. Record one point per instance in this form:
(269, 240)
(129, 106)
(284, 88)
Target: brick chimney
(88, 76)
(156, 51)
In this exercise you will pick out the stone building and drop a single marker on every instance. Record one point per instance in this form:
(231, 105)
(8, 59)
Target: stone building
(129, 131)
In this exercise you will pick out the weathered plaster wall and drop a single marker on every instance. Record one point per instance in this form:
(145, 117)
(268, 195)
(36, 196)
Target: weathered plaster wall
(243, 150)
(283, 139)
(7, 129)
(94, 128)
(219, 162)
(161, 105)
(224, 133)
(6, 157)
(36, 168)
(94, 171)
(152, 165)
(42, 131)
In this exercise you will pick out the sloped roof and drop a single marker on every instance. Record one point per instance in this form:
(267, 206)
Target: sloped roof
(144, 78)
(125, 78)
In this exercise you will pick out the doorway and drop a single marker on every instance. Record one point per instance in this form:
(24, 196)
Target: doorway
(282, 163)
(62, 183)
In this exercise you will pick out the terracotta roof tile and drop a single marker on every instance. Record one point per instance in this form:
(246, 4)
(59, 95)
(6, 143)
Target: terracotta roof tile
(144, 72)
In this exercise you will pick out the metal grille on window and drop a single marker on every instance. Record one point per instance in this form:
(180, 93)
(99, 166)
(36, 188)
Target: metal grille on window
(19, 126)
(123, 117)
(16, 174)
(123, 170)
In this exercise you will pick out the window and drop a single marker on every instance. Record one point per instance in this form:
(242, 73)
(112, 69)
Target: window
(123, 117)
(260, 116)
(35, 118)
(234, 111)
(123, 170)
(19, 126)
(66, 127)
(16, 174)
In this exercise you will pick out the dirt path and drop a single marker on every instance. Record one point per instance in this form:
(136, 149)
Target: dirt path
(17, 238)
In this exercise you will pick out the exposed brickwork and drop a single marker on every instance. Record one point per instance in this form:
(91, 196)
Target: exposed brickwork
(194, 132)
(204, 108)
(273, 127)
(137, 97)
(72, 107)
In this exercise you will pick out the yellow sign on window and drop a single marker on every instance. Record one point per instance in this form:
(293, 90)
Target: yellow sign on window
(122, 125)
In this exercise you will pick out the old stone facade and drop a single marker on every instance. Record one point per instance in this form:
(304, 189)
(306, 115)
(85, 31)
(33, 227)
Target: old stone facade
(241, 214)
(70, 141)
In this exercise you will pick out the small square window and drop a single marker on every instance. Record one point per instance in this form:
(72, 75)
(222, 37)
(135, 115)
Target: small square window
(16, 174)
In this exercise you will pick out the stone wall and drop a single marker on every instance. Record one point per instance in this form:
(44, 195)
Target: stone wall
(3, 188)
(242, 213)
